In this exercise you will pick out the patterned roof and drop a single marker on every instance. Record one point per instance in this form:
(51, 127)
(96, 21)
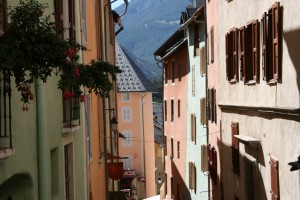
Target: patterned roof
(131, 79)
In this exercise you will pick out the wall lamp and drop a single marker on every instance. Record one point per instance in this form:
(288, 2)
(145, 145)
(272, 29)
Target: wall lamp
(113, 121)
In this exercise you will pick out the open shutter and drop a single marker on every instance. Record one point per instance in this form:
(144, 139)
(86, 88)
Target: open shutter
(208, 104)
(72, 28)
(264, 45)
(212, 93)
(210, 156)
(255, 49)
(227, 56)
(203, 111)
(243, 53)
(275, 39)
(204, 158)
(235, 54)
(274, 179)
(235, 148)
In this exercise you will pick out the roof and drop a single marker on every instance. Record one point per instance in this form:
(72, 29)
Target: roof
(131, 79)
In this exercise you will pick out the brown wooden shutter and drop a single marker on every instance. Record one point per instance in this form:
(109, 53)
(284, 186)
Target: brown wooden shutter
(212, 44)
(210, 156)
(276, 27)
(208, 105)
(235, 148)
(255, 49)
(243, 53)
(215, 105)
(264, 45)
(274, 164)
(227, 56)
(235, 54)
(270, 52)
(212, 97)
(204, 158)
(72, 28)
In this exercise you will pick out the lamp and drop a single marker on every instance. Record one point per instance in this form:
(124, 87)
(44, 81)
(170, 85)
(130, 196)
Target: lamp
(114, 123)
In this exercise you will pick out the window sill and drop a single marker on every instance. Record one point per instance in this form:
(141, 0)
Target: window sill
(272, 82)
(251, 82)
(69, 128)
(6, 153)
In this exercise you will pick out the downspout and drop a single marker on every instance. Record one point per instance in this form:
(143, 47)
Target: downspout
(42, 142)
(144, 154)
(206, 87)
(105, 148)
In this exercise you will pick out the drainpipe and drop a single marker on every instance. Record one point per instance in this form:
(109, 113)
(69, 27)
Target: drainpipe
(206, 87)
(144, 154)
(42, 142)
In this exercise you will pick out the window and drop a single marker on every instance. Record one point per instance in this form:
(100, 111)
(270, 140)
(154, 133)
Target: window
(166, 145)
(3, 16)
(203, 111)
(193, 80)
(173, 71)
(172, 148)
(212, 163)
(203, 61)
(71, 112)
(235, 148)
(274, 164)
(126, 114)
(271, 30)
(212, 44)
(196, 39)
(179, 72)
(128, 163)
(232, 55)
(249, 171)
(128, 141)
(172, 110)
(5, 108)
(249, 45)
(193, 128)
(166, 111)
(69, 177)
(192, 176)
(126, 97)
(178, 108)
(178, 149)
(166, 74)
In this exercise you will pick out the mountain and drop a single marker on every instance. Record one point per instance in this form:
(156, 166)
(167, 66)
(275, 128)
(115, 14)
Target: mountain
(147, 25)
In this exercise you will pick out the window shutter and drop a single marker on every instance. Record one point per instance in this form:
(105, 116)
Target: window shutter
(264, 44)
(269, 64)
(172, 148)
(235, 54)
(72, 28)
(196, 39)
(193, 128)
(255, 49)
(203, 111)
(3, 16)
(213, 109)
(204, 158)
(212, 44)
(276, 27)
(193, 80)
(215, 165)
(166, 111)
(227, 56)
(203, 61)
(243, 53)
(166, 74)
(235, 148)
(208, 104)
(209, 149)
(274, 178)
(215, 105)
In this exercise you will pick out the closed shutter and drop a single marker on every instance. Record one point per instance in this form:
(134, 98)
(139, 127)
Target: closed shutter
(255, 50)
(264, 45)
(243, 53)
(274, 179)
(276, 27)
(203, 111)
(269, 46)
(193, 128)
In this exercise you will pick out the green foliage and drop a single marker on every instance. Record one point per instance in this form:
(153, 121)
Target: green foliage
(32, 48)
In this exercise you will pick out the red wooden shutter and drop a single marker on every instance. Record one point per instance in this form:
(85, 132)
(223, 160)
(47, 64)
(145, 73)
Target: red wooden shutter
(270, 71)
(275, 39)
(243, 53)
(264, 45)
(255, 49)
(235, 54)
(274, 178)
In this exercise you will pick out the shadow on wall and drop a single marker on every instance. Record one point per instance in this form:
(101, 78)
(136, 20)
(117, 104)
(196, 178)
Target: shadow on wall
(180, 189)
(292, 39)
(19, 186)
(236, 185)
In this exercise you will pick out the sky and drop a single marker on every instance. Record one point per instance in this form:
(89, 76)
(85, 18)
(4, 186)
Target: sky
(117, 4)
